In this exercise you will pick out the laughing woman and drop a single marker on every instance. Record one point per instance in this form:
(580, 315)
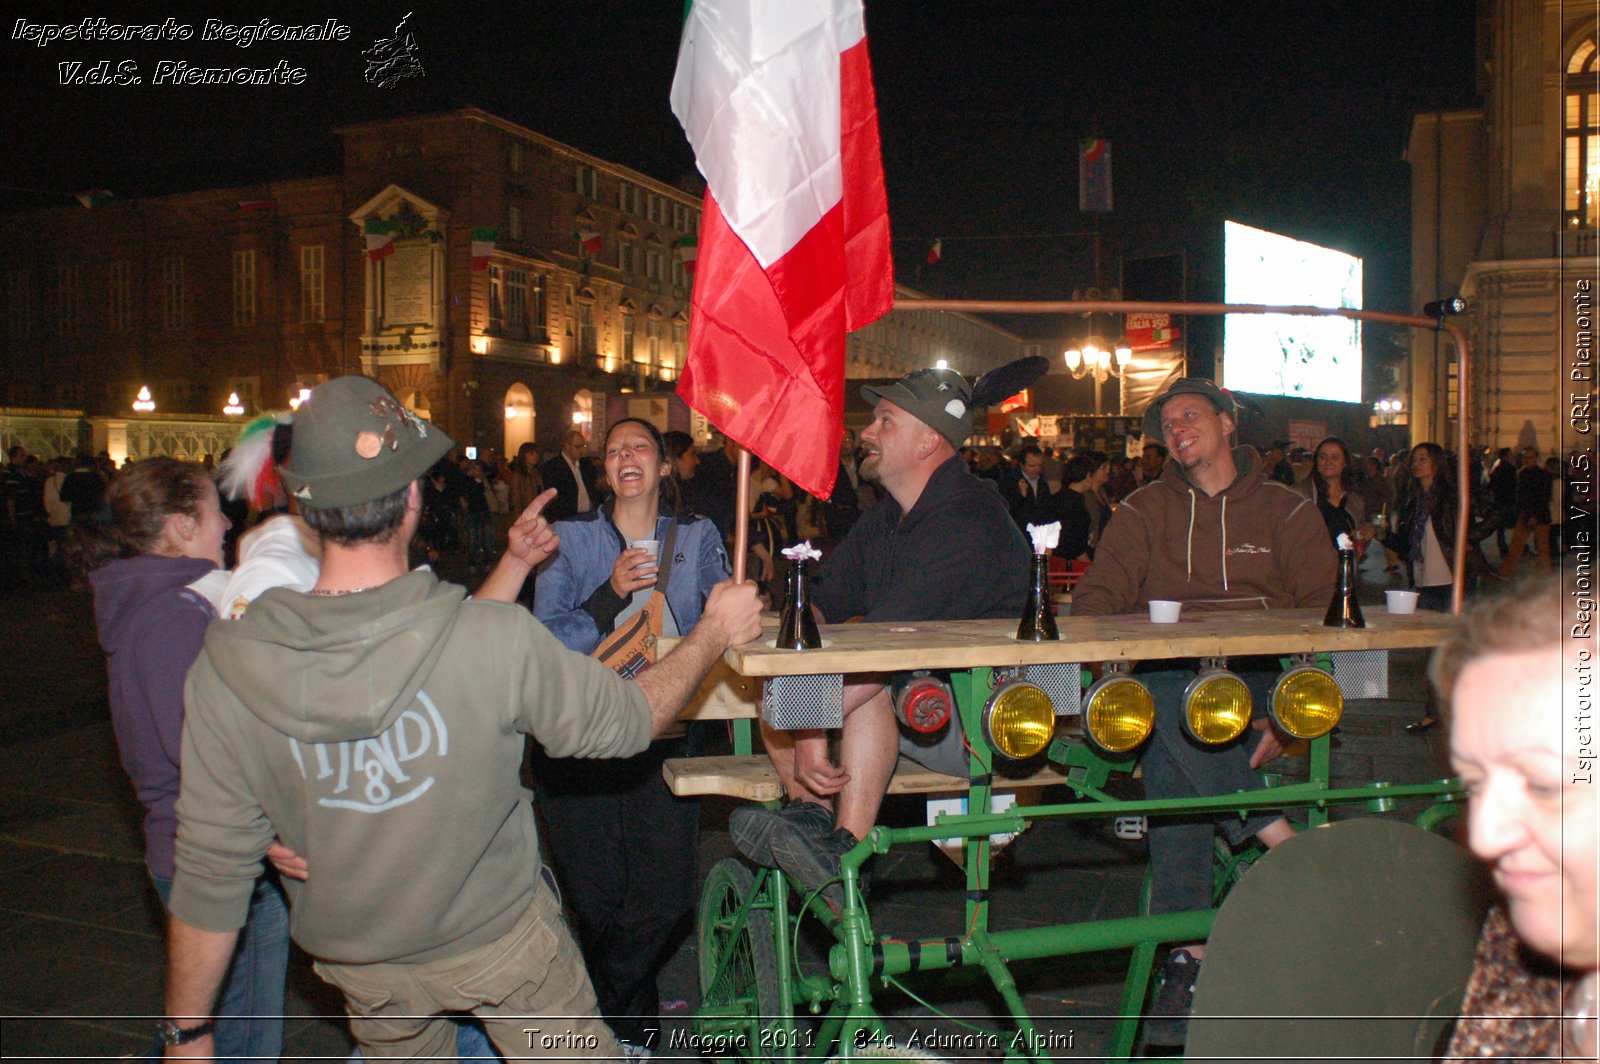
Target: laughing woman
(624, 847)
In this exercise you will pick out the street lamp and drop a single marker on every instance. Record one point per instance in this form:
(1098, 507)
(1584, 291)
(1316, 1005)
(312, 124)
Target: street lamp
(143, 403)
(232, 407)
(1387, 411)
(1097, 360)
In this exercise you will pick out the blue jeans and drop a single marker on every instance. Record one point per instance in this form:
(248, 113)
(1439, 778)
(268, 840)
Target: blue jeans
(250, 1011)
(1176, 766)
(471, 1043)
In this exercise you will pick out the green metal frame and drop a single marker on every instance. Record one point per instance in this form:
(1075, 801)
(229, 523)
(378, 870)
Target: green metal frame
(843, 995)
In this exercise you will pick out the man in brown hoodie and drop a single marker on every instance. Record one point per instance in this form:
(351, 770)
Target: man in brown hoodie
(1211, 532)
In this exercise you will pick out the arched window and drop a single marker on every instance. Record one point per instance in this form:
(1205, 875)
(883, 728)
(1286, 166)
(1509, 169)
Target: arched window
(519, 418)
(1581, 148)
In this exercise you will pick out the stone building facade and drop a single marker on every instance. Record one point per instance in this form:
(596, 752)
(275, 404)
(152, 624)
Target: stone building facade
(578, 312)
(1506, 213)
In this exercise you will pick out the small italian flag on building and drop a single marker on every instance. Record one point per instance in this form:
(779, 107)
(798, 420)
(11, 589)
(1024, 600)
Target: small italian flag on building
(483, 247)
(688, 249)
(94, 197)
(590, 241)
(380, 238)
(935, 251)
(251, 206)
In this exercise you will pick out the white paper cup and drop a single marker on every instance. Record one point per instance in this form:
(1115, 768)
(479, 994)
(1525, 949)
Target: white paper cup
(1164, 611)
(1401, 601)
(651, 545)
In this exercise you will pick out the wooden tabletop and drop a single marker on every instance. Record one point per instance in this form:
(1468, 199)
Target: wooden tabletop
(849, 648)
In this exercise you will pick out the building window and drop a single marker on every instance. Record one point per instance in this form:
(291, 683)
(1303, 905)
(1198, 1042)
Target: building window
(312, 305)
(566, 306)
(627, 336)
(588, 181)
(628, 197)
(1581, 155)
(537, 311)
(69, 301)
(514, 223)
(497, 300)
(516, 159)
(172, 292)
(680, 217)
(657, 208)
(678, 274)
(517, 301)
(652, 343)
(652, 265)
(586, 334)
(627, 256)
(680, 348)
(244, 287)
(119, 305)
(19, 305)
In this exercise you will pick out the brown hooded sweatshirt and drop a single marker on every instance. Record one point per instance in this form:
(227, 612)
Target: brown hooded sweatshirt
(1256, 544)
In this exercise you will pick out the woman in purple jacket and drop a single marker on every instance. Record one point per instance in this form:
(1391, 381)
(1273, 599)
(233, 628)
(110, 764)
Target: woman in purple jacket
(164, 538)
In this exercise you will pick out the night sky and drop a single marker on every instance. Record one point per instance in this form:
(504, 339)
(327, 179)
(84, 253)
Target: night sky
(1286, 115)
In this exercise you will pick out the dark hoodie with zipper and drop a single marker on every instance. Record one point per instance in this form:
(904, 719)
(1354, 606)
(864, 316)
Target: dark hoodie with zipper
(380, 734)
(151, 624)
(1256, 544)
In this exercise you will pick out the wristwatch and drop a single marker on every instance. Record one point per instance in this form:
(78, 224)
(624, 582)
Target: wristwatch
(173, 1035)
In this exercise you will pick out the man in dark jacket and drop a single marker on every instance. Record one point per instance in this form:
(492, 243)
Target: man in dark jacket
(1215, 533)
(938, 546)
(1503, 488)
(571, 472)
(1028, 495)
(1533, 514)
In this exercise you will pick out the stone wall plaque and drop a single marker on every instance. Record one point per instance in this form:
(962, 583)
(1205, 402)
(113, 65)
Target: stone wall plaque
(408, 285)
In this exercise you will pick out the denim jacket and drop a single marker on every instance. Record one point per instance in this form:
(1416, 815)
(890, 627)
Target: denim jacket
(574, 598)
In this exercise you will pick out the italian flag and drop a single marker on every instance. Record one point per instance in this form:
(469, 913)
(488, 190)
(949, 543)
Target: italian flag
(777, 101)
(688, 253)
(935, 251)
(482, 247)
(380, 238)
(590, 241)
(251, 206)
(94, 197)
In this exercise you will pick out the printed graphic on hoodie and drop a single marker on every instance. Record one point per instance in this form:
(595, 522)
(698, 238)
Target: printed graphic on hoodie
(380, 773)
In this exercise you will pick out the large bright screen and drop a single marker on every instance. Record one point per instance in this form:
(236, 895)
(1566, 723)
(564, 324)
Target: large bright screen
(1287, 354)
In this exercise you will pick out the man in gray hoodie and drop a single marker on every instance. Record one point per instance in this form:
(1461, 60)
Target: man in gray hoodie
(376, 724)
(1213, 533)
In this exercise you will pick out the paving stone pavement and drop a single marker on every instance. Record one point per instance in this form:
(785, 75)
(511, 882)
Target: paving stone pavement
(80, 939)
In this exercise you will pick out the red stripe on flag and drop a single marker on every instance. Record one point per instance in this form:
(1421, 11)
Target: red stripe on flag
(745, 373)
(869, 270)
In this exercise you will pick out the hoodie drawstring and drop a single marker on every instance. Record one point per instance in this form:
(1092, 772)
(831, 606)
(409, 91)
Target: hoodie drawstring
(1188, 553)
(1224, 542)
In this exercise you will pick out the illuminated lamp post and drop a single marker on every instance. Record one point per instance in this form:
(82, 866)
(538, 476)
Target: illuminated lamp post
(143, 403)
(1095, 359)
(233, 408)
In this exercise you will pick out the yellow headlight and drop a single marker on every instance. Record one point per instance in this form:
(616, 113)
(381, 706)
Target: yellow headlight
(1306, 702)
(1216, 707)
(1118, 713)
(1019, 720)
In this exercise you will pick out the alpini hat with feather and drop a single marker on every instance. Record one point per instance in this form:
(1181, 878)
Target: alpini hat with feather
(354, 442)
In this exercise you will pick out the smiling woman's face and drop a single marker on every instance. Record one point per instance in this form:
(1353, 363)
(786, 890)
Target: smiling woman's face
(1528, 817)
(633, 467)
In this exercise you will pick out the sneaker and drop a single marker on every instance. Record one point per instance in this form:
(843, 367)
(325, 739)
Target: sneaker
(814, 862)
(753, 827)
(1166, 1022)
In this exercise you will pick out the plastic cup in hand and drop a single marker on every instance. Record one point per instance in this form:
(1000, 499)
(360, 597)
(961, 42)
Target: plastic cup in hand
(1164, 611)
(1401, 601)
(651, 545)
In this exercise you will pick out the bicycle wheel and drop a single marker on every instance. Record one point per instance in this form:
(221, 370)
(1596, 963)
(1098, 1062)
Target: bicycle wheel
(738, 964)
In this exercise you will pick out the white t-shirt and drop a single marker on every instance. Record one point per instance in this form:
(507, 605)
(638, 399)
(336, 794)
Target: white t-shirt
(282, 551)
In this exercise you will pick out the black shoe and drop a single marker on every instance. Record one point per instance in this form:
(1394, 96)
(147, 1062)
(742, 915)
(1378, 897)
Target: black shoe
(815, 863)
(1166, 1022)
(753, 827)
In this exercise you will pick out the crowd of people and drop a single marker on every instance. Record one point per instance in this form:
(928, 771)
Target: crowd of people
(355, 490)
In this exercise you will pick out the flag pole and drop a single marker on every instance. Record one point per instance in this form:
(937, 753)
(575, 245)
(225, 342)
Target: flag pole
(741, 516)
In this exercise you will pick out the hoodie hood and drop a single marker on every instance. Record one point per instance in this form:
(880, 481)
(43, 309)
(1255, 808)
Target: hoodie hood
(123, 588)
(1247, 460)
(372, 653)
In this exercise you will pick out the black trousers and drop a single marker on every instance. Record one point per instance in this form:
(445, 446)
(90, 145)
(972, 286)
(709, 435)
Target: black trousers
(624, 851)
